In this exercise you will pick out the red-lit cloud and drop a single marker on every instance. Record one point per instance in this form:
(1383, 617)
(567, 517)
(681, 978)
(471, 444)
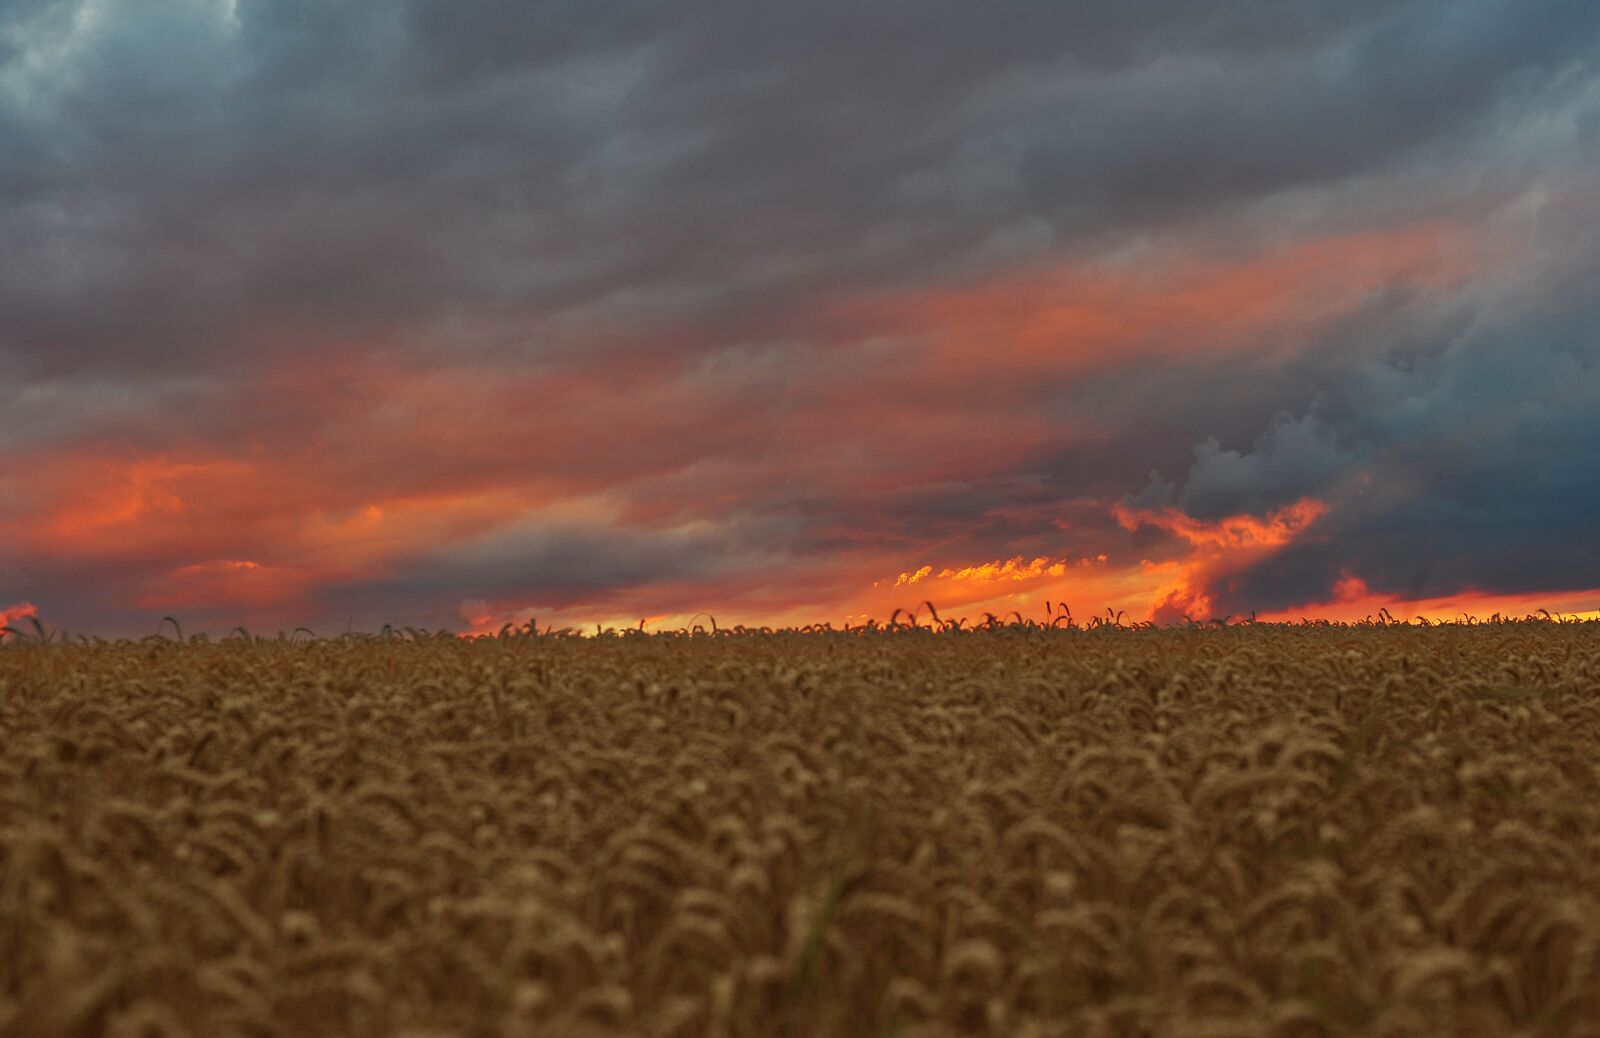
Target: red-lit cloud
(1219, 548)
(1232, 534)
(20, 611)
(1160, 304)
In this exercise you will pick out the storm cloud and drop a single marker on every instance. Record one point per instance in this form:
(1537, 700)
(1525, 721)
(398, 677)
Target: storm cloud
(321, 311)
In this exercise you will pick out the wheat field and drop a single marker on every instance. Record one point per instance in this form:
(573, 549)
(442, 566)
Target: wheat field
(1307, 830)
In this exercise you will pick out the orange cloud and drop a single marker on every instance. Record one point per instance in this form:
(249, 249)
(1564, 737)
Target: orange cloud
(21, 611)
(1350, 588)
(1219, 548)
(1013, 570)
(1233, 533)
(94, 505)
(1062, 319)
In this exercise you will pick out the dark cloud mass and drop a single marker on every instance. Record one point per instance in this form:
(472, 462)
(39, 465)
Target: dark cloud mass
(319, 309)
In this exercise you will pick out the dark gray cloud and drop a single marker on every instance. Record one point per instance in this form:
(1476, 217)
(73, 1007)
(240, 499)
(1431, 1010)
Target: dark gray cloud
(1464, 465)
(191, 179)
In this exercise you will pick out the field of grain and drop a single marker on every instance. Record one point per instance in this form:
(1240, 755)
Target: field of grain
(1245, 830)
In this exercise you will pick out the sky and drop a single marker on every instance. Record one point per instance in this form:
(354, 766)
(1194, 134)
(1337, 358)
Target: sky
(455, 315)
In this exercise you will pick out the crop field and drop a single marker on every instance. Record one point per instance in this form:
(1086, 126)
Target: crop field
(1377, 829)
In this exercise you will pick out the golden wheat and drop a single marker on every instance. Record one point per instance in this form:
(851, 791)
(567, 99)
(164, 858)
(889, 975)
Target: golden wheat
(1287, 831)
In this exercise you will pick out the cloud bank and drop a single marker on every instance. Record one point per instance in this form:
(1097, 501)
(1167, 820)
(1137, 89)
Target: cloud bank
(352, 313)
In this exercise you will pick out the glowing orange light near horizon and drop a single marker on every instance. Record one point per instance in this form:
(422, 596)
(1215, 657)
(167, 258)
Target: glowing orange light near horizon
(1357, 603)
(1015, 569)
(20, 611)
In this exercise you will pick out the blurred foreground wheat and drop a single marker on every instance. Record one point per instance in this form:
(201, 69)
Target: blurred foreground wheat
(1250, 830)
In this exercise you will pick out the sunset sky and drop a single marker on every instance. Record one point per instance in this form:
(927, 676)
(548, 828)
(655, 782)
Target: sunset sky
(455, 314)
